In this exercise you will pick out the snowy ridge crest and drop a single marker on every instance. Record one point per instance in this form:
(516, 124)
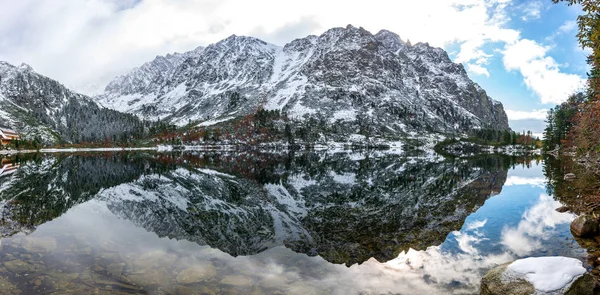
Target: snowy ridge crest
(379, 79)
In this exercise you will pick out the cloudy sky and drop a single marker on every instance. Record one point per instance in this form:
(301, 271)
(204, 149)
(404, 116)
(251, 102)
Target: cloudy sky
(523, 52)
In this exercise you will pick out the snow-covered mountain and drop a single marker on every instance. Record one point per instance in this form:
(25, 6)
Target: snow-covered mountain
(43, 109)
(375, 83)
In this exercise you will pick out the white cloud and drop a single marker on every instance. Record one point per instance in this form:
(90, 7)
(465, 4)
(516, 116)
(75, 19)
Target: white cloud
(83, 43)
(522, 52)
(531, 10)
(540, 72)
(466, 242)
(525, 115)
(568, 26)
(476, 225)
(477, 69)
(519, 180)
(88, 42)
(536, 225)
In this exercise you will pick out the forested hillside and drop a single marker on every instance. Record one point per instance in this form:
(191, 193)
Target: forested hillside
(46, 112)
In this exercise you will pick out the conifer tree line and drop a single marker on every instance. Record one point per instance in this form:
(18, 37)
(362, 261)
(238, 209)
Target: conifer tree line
(576, 122)
(504, 137)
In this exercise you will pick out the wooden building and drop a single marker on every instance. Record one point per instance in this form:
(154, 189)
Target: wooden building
(8, 167)
(7, 135)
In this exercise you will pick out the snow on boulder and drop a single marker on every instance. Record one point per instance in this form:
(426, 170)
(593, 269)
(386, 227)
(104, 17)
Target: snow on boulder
(546, 273)
(538, 275)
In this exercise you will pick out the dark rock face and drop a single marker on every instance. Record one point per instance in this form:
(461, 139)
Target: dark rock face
(43, 109)
(347, 77)
(584, 226)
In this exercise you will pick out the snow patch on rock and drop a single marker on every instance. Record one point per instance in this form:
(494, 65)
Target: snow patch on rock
(546, 274)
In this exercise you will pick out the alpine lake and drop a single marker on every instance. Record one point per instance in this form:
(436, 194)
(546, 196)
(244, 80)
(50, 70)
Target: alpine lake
(346, 222)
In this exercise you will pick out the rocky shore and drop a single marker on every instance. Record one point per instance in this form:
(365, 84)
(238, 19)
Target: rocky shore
(575, 182)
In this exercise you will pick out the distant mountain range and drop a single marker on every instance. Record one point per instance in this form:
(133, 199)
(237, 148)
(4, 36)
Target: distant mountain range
(358, 82)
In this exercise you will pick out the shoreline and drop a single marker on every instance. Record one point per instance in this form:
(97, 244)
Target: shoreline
(67, 150)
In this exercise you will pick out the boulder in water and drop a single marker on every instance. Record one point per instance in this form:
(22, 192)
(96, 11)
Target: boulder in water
(538, 275)
(584, 226)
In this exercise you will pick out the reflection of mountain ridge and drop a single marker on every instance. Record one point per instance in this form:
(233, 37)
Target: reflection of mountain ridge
(415, 208)
(346, 208)
(44, 188)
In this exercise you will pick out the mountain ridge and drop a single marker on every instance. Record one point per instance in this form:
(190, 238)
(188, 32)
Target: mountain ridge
(47, 112)
(346, 76)
(340, 84)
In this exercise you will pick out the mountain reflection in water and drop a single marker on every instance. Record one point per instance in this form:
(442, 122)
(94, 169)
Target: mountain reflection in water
(201, 223)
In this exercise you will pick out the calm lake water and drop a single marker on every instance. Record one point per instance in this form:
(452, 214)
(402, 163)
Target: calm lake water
(252, 223)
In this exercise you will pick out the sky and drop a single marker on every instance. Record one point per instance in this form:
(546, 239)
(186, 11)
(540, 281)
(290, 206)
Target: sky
(524, 53)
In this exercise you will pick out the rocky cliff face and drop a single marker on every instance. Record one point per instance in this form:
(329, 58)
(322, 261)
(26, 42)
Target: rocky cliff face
(360, 82)
(43, 109)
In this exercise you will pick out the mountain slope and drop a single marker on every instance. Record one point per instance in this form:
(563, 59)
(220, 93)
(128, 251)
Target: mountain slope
(43, 109)
(347, 77)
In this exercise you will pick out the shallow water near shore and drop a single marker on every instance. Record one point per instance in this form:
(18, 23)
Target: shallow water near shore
(248, 223)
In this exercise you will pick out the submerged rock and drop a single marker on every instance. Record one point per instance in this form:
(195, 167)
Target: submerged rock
(36, 245)
(154, 259)
(196, 274)
(6, 287)
(237, 281)
(115, 269)
(584, 226)
(538, 275)
(156, 276)
(183, 290)
(20, 266)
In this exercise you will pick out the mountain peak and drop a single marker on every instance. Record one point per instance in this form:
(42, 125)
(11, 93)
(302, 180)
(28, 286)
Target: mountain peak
(11, 69)
(240, 39)
(391, 40)
(349, 38)
(5, 67)
(26, 67)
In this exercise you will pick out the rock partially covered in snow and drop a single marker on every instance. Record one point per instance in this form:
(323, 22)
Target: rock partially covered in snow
(538, 275)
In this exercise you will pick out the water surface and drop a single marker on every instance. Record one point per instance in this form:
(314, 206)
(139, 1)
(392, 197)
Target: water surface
(243, 223)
